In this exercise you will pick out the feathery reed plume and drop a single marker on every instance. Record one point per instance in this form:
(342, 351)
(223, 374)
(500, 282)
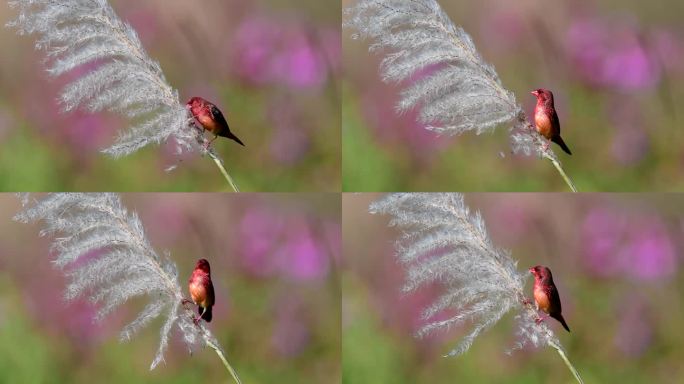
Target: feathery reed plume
(460, 92)
(443, 242)
(125, 80)
(104, 251)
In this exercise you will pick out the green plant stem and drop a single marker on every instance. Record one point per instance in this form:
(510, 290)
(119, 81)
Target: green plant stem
(567, 362)
(225, 174)
(544, 150)
(562, 173)
(225, 362)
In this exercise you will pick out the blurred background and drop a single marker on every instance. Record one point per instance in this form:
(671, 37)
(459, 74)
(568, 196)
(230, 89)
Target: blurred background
(272, 67)
(616, 68)
(616, 260)
(274, 267)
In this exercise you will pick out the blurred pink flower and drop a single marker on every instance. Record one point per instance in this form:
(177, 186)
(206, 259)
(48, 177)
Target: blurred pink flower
(253, 43)
(650, 254)
(616, 246)
(301, 256)
(611, 54)
(268, 51)
(300, 65)
(285, 246)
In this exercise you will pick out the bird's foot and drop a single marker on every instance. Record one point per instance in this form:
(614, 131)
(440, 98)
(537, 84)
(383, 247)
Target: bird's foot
(526, 301)
(196, 319)
(538, 320)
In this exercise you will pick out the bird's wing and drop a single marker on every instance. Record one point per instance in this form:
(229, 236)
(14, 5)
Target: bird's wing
(218, 117)
(554, 298)
(555, 123)
(210, 294)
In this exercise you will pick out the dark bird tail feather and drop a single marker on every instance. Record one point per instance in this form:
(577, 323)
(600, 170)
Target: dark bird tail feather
(558, 140)
(560, 318)
(231, 136)
(207, 313)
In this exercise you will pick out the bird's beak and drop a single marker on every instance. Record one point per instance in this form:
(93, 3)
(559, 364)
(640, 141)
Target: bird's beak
(531, 270)
(535, 93)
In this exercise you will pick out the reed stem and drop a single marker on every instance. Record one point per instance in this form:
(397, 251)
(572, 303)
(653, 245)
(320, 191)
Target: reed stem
(225, 174)
(568, 181)
(567, 362)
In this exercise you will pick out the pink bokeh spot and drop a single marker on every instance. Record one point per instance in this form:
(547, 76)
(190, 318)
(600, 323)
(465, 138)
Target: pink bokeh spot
(650, 254)
(283, 246)
(272, 52)
(306, 261)
(611, 55)
(300, 66)
(617, 247)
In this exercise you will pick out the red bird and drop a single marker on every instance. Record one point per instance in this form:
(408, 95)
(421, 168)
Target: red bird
(201, 289)
(546, 119)
(211, 118)
(546, 294)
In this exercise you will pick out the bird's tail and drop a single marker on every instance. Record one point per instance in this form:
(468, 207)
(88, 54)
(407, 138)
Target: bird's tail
(558, 140)
(558, 317)
(207, 313)
(231, 136)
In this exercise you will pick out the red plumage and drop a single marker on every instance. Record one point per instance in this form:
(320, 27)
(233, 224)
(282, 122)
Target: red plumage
(201, 289)
(211, 118)
(546, 295)
(546, 118)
